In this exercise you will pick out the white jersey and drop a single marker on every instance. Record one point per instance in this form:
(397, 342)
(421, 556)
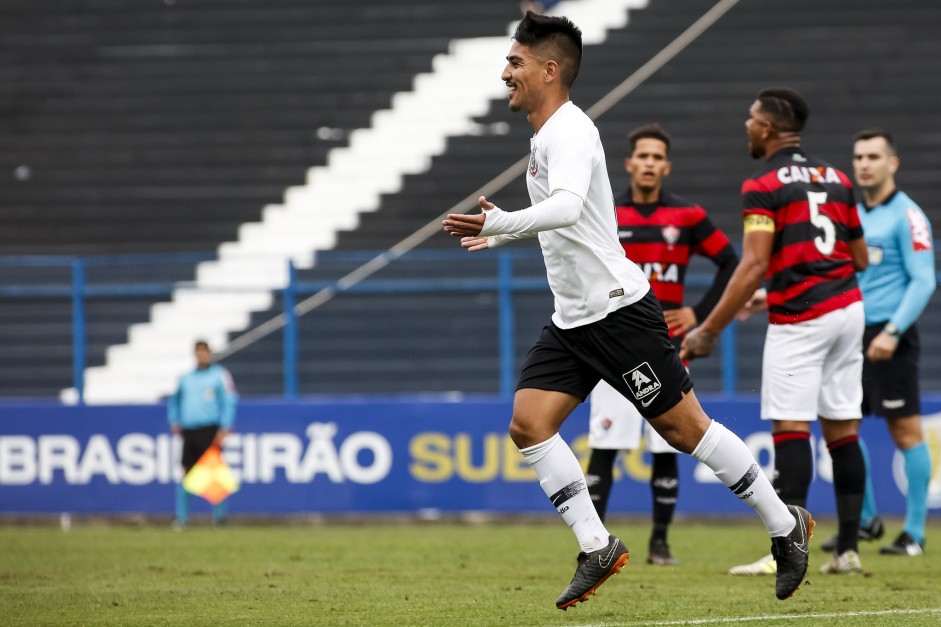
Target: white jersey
(588, 272)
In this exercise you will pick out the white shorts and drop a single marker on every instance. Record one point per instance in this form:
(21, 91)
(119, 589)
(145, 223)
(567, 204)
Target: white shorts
(614, 423)
(814, 368)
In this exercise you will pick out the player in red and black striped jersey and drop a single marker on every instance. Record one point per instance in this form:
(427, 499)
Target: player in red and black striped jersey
(659, 232)
(803, 234)
(811, 207)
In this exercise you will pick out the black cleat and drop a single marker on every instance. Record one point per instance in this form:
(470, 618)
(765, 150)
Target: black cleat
(903, 545)
(593, 570)
(660, 555)
(791, 553)
(872, 531)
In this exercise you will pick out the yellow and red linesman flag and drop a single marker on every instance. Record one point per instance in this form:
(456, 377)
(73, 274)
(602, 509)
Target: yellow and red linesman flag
(211, 478)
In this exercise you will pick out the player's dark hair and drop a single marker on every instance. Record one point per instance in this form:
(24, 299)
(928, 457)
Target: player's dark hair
(201, 344)
(787, 107)
(649, 131)
(874, 132)
(555, 38)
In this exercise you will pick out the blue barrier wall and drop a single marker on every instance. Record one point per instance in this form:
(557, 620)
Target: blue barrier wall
(366, 456)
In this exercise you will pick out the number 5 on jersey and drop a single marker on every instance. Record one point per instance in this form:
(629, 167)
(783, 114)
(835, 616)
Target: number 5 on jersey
(827, 241)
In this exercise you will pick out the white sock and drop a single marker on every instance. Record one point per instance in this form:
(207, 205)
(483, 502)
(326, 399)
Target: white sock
(563, 481)
(735, 466)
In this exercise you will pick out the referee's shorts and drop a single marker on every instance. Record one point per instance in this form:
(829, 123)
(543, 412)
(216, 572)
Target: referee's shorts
(630, 348)
(890, 388)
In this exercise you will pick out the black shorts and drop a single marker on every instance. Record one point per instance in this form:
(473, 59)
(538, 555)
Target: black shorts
(195, 443)
(890, 388)
(630, 349)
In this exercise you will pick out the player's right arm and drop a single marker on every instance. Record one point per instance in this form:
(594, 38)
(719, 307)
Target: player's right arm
(559, 210)
(474, 244)
(173, 408)
(860, 254)
(756, 255)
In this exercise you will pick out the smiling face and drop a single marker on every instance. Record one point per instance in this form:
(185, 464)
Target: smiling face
(874, 164)
(648, 165)
(523, 76)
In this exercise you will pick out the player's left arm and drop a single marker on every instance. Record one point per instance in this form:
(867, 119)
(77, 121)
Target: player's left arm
(917, 245)
(228, 400)
(713, 244)
(913, 235)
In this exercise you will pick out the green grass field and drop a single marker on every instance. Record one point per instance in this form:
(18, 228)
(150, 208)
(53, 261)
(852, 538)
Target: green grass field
(434, 574)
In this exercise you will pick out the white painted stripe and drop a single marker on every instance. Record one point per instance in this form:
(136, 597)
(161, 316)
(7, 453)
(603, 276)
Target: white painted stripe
(731, 620)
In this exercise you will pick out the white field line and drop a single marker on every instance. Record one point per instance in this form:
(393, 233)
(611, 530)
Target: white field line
(762, 618)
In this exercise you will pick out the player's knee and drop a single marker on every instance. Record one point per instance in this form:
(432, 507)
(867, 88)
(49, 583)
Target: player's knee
(676, 436)
(519, 433)
(526, 433)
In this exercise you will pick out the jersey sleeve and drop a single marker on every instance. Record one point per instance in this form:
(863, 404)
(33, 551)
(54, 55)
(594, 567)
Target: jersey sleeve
(708, 240)
(757, 199)
(173, 405)
(915, 242)
(711, 242)
(559, 210)
(228, 399)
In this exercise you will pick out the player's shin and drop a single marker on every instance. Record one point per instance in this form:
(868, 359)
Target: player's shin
(600, 478)
(563, 481)
(849, 485)
(735, 466)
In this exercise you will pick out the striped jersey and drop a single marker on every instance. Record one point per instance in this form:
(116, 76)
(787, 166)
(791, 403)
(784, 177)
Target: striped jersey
(661, 237)
(811, 204)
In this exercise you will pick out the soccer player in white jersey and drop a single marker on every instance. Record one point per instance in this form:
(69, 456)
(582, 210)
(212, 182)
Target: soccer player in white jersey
(607, 323)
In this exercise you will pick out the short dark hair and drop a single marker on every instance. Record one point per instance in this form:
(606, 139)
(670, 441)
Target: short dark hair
(201, 344)
(555, 38)
(649, 131)
(874, 132)
(786, 106)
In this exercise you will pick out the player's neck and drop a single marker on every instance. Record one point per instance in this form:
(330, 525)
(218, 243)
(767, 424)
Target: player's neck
(644, 196)
(875, 196)
(781, 141)
(538, 118)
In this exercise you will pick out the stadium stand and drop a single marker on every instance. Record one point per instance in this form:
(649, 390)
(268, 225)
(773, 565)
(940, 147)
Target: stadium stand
(164, 126)
(702, 96)
(176, 127)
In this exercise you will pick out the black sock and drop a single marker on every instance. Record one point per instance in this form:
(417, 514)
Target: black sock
(664, 485)
(849, 485)
(793, 466)
(600, 477)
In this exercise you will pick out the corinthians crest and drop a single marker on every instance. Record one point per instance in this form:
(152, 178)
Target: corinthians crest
(533, 164)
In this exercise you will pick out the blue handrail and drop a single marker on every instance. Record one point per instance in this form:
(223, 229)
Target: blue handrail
(509, 277)
(78, 328)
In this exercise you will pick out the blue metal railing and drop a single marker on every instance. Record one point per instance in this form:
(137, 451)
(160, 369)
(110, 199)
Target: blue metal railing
(506, 282)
